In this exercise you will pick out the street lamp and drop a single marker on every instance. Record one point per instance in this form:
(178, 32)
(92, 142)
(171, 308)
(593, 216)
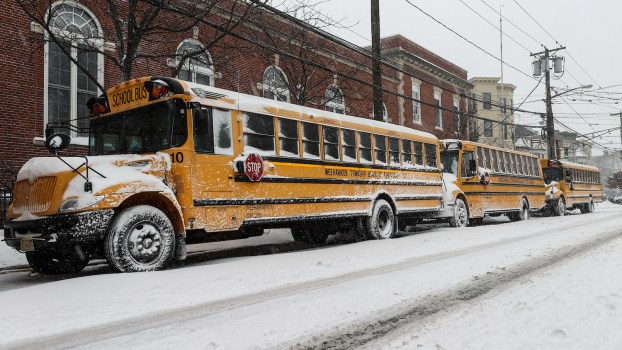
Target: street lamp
(550, 124)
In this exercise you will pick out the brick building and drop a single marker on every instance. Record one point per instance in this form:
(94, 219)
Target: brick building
(280, 61)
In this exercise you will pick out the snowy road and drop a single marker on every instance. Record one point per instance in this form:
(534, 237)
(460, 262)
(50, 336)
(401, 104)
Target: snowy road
(546, 283)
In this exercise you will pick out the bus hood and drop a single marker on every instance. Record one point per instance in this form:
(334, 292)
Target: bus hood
(47, 185)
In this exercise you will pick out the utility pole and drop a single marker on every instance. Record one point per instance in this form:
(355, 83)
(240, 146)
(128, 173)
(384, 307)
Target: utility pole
(550, 122)
(620, 115)
(375, 49)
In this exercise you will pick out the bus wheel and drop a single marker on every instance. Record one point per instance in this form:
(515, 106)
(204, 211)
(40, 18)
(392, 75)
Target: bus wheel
(140, 238)
(381, 223)
(560, 207)
(52, 262)
(461, 215)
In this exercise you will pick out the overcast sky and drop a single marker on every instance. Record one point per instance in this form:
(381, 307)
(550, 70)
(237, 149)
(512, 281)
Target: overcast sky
(589, 30)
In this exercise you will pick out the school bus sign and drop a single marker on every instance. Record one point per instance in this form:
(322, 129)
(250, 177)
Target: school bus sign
(253, 167)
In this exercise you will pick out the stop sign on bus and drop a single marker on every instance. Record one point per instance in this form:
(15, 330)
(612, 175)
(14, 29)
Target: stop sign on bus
(253, 167)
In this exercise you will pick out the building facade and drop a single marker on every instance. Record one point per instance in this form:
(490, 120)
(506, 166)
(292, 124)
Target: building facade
(284, 61)
(494, 108)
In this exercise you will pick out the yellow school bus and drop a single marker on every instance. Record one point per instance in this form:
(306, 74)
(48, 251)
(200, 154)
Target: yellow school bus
(484, 180)
(571, 186)
(174, 162)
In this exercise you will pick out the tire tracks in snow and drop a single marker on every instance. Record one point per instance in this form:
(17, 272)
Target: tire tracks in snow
(354, 335)
(393, 319)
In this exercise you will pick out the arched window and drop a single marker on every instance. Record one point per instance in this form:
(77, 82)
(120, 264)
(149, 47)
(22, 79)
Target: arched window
(197, 68)
(69, 88)
(275, 84)
(335, 101)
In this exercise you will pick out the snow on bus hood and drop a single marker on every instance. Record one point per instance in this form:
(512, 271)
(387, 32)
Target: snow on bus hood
(450, 187)
(117, 169)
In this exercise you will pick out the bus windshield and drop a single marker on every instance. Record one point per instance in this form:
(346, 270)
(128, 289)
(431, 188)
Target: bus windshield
(553, 174)
(145, 129)
(449, 161)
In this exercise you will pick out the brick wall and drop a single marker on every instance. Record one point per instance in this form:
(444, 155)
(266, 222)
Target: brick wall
(239, 62)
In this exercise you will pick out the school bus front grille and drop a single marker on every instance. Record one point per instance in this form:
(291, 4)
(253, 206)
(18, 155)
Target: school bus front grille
(35, 197)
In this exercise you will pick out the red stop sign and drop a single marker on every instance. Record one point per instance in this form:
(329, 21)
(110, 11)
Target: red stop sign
(253, 167)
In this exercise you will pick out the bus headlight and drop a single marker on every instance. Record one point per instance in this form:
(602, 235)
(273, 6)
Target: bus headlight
(73, 204)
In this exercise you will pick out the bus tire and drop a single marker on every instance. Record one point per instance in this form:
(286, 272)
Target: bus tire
(52, 262)
(140, 238)
(381, 223)
(460, 216)
(560, 207)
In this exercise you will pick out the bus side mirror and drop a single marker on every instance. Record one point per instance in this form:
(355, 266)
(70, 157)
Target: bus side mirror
(472, 168)
(57, 142)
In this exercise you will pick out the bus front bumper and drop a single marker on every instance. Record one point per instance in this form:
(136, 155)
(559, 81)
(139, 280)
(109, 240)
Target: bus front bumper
(62, 229)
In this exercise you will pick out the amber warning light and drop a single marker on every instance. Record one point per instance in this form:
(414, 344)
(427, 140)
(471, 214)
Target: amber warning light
(97, 105)
(157, 89)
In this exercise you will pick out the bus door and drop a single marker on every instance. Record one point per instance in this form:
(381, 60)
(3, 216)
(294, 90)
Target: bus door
(212, 173)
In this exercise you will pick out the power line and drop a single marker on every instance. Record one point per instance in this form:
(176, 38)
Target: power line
(494, 26)
(557, 42)
(467, 40)
(512, 23)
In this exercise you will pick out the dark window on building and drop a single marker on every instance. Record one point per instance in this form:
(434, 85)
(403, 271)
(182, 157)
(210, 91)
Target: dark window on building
(487, 128)
(486, 98)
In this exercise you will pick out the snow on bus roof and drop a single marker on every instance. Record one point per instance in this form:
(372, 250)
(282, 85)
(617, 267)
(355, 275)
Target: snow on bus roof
(261, 105)
(577, 165)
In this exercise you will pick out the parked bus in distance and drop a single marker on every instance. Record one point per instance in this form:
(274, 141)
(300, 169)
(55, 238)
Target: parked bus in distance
(485, 180)
(571, 186)
(174, 162)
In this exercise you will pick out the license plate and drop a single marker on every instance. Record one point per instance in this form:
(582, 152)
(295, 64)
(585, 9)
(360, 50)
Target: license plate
(26, 245)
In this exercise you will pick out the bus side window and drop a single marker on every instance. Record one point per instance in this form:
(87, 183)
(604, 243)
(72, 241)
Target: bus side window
(469, 168)
(221, 130)
(407, 152)
(348, 145)
(259, 134)
(365, 148)
(430, 155)
(501, 162)
(202, 131)
(418, 153)
(331, 143)
(480, 158)
(568, 175)
(311, 141)
(288, 138)
(380, 147)
(394, 151)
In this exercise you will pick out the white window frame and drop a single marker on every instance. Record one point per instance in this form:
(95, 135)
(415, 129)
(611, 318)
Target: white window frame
(438, 112)
(208, 71)
(73, 104)
(416, 95)
(331, 105)
(266, 87)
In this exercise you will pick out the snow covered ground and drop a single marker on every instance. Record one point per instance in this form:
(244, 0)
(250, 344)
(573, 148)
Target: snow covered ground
(548, 283)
